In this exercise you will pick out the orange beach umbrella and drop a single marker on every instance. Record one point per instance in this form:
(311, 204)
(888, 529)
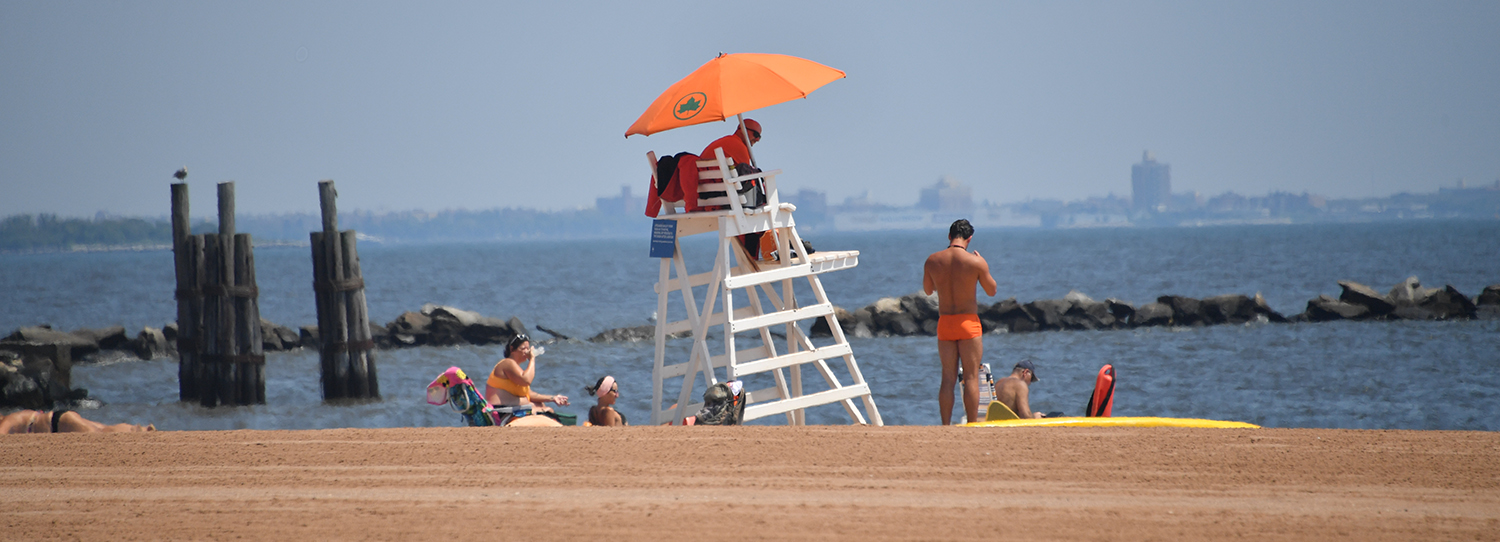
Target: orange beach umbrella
(730, 85)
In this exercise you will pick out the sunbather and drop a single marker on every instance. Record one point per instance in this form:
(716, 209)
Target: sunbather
(61, 421)
(510, 385)
(604, 413)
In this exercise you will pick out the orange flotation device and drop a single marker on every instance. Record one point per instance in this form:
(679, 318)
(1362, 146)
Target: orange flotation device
(1102, 401)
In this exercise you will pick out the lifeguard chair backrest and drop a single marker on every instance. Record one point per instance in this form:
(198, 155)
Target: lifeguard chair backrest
(1102, 401)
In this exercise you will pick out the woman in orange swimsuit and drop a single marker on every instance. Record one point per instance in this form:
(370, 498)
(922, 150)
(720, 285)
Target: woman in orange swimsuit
(510, 385)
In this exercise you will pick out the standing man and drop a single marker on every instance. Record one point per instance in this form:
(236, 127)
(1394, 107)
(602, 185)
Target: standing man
(952, 274)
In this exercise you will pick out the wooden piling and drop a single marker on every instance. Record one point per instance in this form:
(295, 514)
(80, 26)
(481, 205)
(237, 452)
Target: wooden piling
(347, 352)
(187, 294)
(220, 357)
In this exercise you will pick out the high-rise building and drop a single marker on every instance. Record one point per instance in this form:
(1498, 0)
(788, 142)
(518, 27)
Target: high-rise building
(947, 196)
(1150, 184)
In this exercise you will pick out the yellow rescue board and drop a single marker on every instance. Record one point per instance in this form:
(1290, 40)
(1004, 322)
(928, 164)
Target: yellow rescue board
(1115, 422)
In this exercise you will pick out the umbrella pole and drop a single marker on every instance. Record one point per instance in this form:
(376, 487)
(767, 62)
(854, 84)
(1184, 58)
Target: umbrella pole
(745, 134)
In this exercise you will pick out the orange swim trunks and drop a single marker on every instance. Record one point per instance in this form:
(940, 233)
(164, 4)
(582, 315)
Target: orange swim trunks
(958, 327)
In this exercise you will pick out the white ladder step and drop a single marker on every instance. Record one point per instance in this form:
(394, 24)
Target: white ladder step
(761, 410)
(757, 322)
(787, 360)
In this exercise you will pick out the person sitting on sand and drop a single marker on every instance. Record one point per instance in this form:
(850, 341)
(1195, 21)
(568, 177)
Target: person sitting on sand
(604, 413)
(1014, 390)
(61, 421)
(510, 385)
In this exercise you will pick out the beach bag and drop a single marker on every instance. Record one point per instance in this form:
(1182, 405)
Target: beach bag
(723, 404)
(1102, 401)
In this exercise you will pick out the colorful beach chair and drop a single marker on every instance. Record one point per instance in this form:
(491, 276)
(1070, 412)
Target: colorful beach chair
(454, 389)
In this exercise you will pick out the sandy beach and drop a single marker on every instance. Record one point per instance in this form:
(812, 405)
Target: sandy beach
(666, 483)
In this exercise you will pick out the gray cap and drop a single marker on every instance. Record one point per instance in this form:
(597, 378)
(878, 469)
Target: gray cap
(1026, 364)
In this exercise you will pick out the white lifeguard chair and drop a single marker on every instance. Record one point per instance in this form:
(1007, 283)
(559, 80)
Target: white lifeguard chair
(734, 270)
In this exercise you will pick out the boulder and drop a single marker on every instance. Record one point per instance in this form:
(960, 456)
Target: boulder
(904, 325)
(1047, 313)
(1490, 296)
(1407, 293)
(865, 317)
(1152, 314)
(516, 327)
(170, 332)
(1186, 311)
(1121, 310)
(33, 379)
(820, 326)
(380, 336)
(487, 330)
(1228, 309)
(1325, 308)
(76, 345)
(447, 325)
(1086, 313)
(1360, 294)
(410, 329)
(308, 336)
(1010, 316)
(151, 343)
(1449, 304)
(1264, 309)
(275, 337)
(920, 306)
(633, 334)
(109, 338)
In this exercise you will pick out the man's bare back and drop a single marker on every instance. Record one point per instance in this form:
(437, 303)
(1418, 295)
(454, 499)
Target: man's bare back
(952, 273)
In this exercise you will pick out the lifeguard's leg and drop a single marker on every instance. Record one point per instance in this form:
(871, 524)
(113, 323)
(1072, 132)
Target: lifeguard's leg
(972, 352)
(948, 355)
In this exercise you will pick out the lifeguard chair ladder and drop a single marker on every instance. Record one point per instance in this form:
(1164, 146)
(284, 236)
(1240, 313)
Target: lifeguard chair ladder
(734, 270)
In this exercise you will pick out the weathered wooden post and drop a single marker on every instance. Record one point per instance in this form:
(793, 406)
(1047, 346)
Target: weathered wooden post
(347, 357)
(186, 250)
(231, 365)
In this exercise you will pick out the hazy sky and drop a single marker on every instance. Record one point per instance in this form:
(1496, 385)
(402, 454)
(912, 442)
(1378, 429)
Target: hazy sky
(443, 105)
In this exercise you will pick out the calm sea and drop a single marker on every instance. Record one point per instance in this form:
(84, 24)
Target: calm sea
(1408, 375)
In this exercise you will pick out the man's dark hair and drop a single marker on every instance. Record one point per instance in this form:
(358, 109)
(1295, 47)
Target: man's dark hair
(960, 228)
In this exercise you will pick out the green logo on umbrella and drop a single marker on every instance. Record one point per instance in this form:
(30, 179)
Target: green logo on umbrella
(689, 106)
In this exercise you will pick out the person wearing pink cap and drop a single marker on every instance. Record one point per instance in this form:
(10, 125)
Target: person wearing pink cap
(604, 413)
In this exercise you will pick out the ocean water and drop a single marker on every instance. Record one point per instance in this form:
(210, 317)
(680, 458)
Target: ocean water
(1406, 375)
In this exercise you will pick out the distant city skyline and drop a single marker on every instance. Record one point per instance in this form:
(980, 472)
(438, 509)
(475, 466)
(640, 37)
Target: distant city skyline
(472, 105)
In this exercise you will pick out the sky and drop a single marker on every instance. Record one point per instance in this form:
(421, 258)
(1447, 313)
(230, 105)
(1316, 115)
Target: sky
(479, 105)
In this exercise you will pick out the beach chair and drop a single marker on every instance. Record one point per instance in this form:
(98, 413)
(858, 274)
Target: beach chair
(454, 389)
(998, 411)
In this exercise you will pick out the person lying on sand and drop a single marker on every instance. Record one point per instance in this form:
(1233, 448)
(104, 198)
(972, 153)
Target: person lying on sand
(61, 421)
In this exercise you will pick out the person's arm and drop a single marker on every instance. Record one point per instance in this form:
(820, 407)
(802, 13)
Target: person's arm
(928, 285)
(985, 280)
(513, 372)
(1023, 403)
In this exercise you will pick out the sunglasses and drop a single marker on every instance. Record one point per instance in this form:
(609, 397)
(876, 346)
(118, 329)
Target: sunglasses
(755, 134)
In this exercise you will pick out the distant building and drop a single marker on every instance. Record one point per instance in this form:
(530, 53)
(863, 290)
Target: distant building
(1150, 185)
(812, 206)
(947, 196)
(623, 204)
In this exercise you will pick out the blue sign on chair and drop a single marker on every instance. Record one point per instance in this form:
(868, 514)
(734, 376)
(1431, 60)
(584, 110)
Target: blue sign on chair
(663, 238)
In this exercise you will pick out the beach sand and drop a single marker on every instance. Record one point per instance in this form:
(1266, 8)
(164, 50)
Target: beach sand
(731, 483)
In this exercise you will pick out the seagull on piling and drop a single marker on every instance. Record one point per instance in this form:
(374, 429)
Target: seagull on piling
(181, 173)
